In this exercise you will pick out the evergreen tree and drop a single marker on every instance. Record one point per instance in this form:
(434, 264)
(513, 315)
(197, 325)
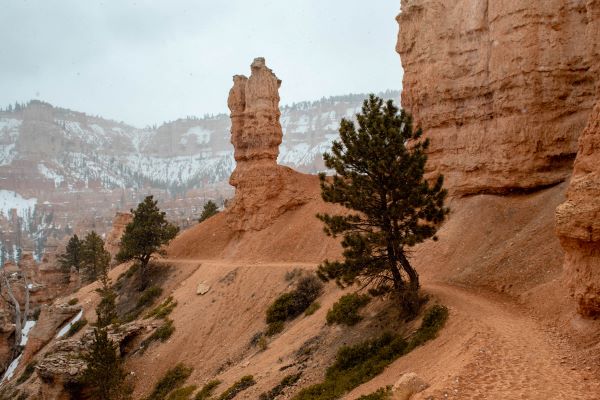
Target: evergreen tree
(93, 256)
(145, 235)
(71, 258)
(210, 209)
(104, 374)
(379, 169)
(106, 310)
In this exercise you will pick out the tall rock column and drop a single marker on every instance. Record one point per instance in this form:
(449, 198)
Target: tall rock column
(578, 221)
(263, 189)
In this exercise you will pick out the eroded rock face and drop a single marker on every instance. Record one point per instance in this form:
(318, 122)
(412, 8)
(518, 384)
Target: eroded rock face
(113, 239)
(263, 189)
(502, 88)
(578, 221)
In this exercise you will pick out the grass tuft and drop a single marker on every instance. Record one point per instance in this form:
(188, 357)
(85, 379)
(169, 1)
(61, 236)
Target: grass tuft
(173, 379)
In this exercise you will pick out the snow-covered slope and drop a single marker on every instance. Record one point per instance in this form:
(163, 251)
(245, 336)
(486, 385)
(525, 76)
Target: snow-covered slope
(67, 149)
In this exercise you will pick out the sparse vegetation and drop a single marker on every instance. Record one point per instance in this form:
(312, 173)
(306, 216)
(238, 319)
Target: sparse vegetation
(345, 310)
(274, 328)
(210, 209)
(244, 383)
(289, 380)
(27, 372)
(161, 333)
(173, 379)
(381, 178)
(148, 296)
(164, 309)
(433, 321)
(145, 235)
(355, 365)
(289, 305)
(207, 390)
(76, 327)
(380, 394)
(183, 393)
(312, 308)
(73, 301)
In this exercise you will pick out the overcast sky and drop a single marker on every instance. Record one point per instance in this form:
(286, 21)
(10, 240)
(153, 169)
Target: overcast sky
(145, 62)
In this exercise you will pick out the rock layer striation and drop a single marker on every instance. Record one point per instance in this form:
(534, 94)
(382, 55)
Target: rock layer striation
(263, 189)
(502, 88)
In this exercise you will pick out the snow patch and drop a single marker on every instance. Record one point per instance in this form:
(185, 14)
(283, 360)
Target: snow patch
(25, 333)
(68, 326)
(10, 200)
(48, 173)
(10, 371)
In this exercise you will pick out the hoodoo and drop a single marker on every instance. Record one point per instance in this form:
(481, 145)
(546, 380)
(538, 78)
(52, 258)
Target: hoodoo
(263, 189)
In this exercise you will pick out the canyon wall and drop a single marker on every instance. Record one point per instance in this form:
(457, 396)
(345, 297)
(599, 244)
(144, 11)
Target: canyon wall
(263, 189)
(578, 221)
(502, 88)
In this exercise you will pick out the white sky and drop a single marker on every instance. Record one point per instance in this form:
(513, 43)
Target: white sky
(145, 62)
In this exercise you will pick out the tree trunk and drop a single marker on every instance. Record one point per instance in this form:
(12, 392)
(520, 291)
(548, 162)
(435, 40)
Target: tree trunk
(144, 273)
(410, 271)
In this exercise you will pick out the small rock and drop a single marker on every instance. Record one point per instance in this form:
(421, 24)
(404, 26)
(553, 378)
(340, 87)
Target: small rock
(202, 289)
(407, 385)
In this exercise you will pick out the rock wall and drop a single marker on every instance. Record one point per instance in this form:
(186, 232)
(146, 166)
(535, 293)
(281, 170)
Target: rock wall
(578, 221)
(502, 88)
(263, 189)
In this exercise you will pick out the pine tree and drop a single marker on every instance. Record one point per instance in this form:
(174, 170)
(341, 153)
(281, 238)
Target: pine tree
(210, 209)
(93, 256)
(71, 258)
(104, 374)
(379, 170)
(145, 235)
(106, 311)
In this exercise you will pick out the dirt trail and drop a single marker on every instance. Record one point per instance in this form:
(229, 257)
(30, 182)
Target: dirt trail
(491, 349)
(514, 356)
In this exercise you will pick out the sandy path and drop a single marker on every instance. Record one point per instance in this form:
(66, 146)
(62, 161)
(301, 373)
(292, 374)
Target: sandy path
(491, 348)
(508, 353)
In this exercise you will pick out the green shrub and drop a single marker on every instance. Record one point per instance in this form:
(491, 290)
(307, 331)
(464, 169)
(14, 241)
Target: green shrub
(148, 296)
(161, 333)
(433, 320)
(207, 390)
(278, 390)
(72, 302)
(173, 379)
(27, 372)
(312, 308)
(355, 365)
(183, 393)
(345, 310)
(237, 387)
(274, 328)
(290, 305)
(164, 309)
(76, 327)
(379, 394)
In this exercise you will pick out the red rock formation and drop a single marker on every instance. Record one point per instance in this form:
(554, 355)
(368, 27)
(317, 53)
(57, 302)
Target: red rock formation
(578, 221)
(263, 189)
(502, 88)
(113, 239)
